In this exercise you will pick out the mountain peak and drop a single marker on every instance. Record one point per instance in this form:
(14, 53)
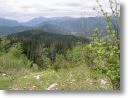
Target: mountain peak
(38, 18)
(34, 21)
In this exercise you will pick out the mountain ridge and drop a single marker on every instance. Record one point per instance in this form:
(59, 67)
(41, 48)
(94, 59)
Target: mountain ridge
(62, 25)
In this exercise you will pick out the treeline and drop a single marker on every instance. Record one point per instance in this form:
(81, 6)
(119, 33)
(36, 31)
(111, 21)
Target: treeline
(39, 45)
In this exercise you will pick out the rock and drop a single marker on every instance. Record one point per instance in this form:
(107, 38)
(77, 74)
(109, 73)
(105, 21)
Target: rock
(15, 87)
(103, 81)
(37, 77)
(32, 88)
(90, 81)
(4, 74)
(53, 86)
(72, 81)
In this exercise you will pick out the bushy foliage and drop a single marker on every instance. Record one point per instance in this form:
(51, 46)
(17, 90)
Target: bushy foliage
(13, 60)
(74, 55)
(107, 49)
(4, 44)
(16, 50)
(72, 58)
(106, 58)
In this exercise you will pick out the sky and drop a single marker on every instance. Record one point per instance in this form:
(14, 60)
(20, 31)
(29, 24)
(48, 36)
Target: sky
(24, 10)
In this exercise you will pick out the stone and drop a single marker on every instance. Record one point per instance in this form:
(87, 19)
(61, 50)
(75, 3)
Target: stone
(53, 86)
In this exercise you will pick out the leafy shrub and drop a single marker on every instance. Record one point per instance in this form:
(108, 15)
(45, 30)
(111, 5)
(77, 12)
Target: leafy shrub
(106, 58)
(14, 60)
(74, 55)
(16, 50)
(4, 44)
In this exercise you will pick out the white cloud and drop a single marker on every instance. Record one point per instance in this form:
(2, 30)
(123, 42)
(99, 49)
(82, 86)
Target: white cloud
(23, 10)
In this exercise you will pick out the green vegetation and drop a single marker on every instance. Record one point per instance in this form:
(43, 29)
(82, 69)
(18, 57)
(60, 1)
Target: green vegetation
(80, 70)
(37, 60)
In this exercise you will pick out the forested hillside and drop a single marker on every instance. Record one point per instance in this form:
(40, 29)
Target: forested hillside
(38, 44)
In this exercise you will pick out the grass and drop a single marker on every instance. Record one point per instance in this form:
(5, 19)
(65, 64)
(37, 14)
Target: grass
(77, 78)
(5, 83)
(71, 74)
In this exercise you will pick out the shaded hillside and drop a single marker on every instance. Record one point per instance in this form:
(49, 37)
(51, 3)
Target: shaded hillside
(53, 28)
(6, 30)
(8, 22)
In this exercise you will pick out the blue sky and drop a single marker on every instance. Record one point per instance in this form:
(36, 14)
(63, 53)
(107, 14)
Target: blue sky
(23, 10)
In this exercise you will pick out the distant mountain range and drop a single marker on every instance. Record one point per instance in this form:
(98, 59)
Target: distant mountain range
(8, 22)
(7, 30)
(59, 25)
